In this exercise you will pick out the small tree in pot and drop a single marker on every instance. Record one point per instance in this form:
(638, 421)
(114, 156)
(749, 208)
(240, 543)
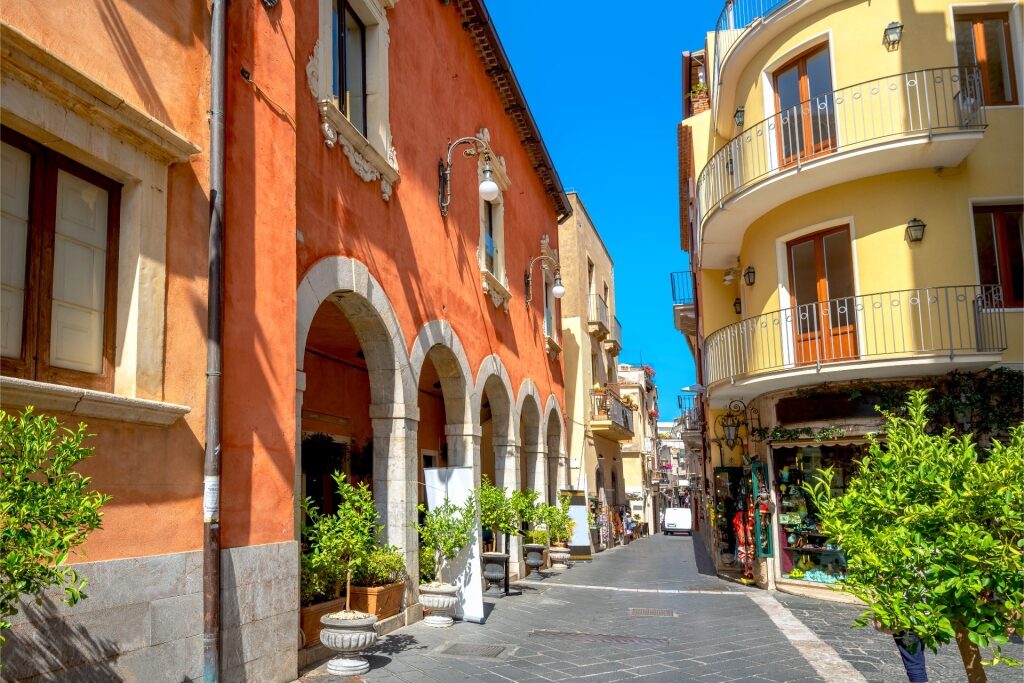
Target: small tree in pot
(447, 529)
(345, 537)
(528, 513)
(560, 528)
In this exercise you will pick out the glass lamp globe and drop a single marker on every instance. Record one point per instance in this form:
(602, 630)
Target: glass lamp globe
(489, 189)
(558, 290)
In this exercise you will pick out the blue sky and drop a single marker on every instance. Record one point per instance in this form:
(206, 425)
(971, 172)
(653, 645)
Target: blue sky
(605, 91)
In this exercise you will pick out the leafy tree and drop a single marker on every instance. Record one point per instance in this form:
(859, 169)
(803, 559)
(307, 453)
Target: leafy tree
(446, 529)
(46, 509)
(559, 523)
(496, 511)
(933, 535)
(346, 537)
(524, 506)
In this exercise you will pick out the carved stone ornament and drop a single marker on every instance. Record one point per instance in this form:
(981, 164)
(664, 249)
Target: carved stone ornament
(500, 296)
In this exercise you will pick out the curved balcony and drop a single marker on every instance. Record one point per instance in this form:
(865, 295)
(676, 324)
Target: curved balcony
(918, 119)
(744, 27)
(924, 331)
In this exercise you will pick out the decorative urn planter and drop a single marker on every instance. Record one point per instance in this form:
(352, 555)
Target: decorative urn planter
(440, 599)
(559, 555)
(348, 633)
(534, 558)
(494, 572)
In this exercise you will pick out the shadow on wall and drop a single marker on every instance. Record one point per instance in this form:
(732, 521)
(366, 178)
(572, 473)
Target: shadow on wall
(52, 646)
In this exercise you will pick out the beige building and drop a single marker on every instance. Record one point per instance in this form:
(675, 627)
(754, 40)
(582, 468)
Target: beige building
(640, 454)
(597, 419)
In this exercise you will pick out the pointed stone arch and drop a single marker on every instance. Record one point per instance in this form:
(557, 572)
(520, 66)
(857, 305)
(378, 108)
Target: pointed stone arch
(348, 284)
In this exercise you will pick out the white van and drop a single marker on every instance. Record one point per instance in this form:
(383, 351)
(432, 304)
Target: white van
(677, 520)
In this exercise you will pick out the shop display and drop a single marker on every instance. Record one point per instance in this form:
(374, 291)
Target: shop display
(807, 553)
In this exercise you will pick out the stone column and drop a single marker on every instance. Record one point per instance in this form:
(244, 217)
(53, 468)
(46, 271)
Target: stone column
(464, 447)
(395, 427)
(536, 470)
(506, 470)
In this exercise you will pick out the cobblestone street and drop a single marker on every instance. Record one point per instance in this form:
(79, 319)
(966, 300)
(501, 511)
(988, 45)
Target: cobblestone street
(577, 626)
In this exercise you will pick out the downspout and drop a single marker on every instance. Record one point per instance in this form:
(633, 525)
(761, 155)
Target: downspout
(211, 464)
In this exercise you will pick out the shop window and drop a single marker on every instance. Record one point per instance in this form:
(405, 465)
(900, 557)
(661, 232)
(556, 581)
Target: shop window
(806, 553)
(59, 267)
(983, 40)
(997, 235)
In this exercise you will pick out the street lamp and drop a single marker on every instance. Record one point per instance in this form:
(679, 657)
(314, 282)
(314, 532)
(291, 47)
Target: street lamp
(557, 289)
(892, 35)
(915, 229)
(489, 189)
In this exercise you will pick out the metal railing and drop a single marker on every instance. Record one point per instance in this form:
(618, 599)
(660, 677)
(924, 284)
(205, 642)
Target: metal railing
(598, 310)
(929, 320)
(735, 17)
(689, 413)
(608, 406)
(616, 334)
(682, 288)
(908, 104)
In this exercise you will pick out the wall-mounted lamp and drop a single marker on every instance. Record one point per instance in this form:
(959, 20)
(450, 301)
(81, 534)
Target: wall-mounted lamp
(489, 189)
(730, 276)
(737, 305)
(728, 425)
(915, 230)
(892, 36)
(694, 388)
(738, 116)
(557, 289)
(749, 275)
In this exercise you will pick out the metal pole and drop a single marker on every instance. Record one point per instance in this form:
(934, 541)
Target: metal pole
(211, 464)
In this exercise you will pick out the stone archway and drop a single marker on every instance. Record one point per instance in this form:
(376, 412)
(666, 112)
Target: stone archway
(532, 469)
(554, 442)
(342, 285)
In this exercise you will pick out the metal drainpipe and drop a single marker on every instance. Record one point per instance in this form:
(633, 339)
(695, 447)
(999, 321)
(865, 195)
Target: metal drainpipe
(211, 465)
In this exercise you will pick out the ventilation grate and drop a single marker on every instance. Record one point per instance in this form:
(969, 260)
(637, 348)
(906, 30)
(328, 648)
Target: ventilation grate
(650, 612)
(599, 637)
(472, 650)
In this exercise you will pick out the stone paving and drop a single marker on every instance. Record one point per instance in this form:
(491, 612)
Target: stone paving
(576, 625)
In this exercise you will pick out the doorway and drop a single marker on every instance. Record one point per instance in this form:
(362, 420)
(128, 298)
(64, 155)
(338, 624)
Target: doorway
(806, 110)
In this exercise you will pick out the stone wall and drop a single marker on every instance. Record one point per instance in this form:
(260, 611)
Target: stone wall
(143, 621)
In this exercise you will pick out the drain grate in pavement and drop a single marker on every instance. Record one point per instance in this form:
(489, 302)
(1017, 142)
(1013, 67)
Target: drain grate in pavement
(472, 650)
(650, 612)
(599, 637)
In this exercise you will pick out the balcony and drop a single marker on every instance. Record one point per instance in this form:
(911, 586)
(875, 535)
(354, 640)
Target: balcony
(610, 418)
(684, 309)
(613, 342)
(918, 119)
(598, 319)
(689, 414)
(743, 29)
(912, 332)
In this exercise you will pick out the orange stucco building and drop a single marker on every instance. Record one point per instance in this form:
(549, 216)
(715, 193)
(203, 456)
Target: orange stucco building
(353, 307)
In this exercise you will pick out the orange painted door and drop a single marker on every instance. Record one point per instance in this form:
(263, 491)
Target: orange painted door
(822, 297)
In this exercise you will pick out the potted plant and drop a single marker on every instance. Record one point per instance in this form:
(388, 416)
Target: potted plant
(320, 594)
(560, 528)
(446, 529)
(378, 584)
(345, 538)
(526, 510)
(497, 515)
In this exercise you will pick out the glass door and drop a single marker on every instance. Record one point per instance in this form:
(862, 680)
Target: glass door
(806, 125)
(822, 296)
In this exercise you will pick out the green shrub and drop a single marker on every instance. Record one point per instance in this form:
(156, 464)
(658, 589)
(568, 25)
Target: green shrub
(46, 509)
(385, 564)
(933, 534)
(446, 530)
(428, 565)
(537, 536)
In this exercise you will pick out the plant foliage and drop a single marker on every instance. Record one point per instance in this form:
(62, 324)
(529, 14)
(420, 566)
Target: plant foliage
(384, 565)
(46, 509)
(496, 510)
(933, 534)
(446, 529)
(344, 538)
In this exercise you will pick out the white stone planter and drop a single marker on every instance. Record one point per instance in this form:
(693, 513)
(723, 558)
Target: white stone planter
(559, 557)
(349, 636)
(440, 599)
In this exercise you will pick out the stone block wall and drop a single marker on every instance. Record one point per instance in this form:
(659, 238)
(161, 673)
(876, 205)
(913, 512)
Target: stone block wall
(143, 621)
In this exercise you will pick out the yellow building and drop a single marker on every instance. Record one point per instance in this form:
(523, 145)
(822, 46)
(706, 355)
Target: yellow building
(851, 203)
(597, 420)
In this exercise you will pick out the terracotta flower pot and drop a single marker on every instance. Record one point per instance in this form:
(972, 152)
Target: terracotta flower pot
(380, 601)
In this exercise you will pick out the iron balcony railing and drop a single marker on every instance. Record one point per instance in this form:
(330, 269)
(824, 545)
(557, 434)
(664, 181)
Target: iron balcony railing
(682, 288)
(736, 16)
(909, 104)
(925, 321)
(617, 331)
(607, 405)
(598, 310)
(689, 413)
